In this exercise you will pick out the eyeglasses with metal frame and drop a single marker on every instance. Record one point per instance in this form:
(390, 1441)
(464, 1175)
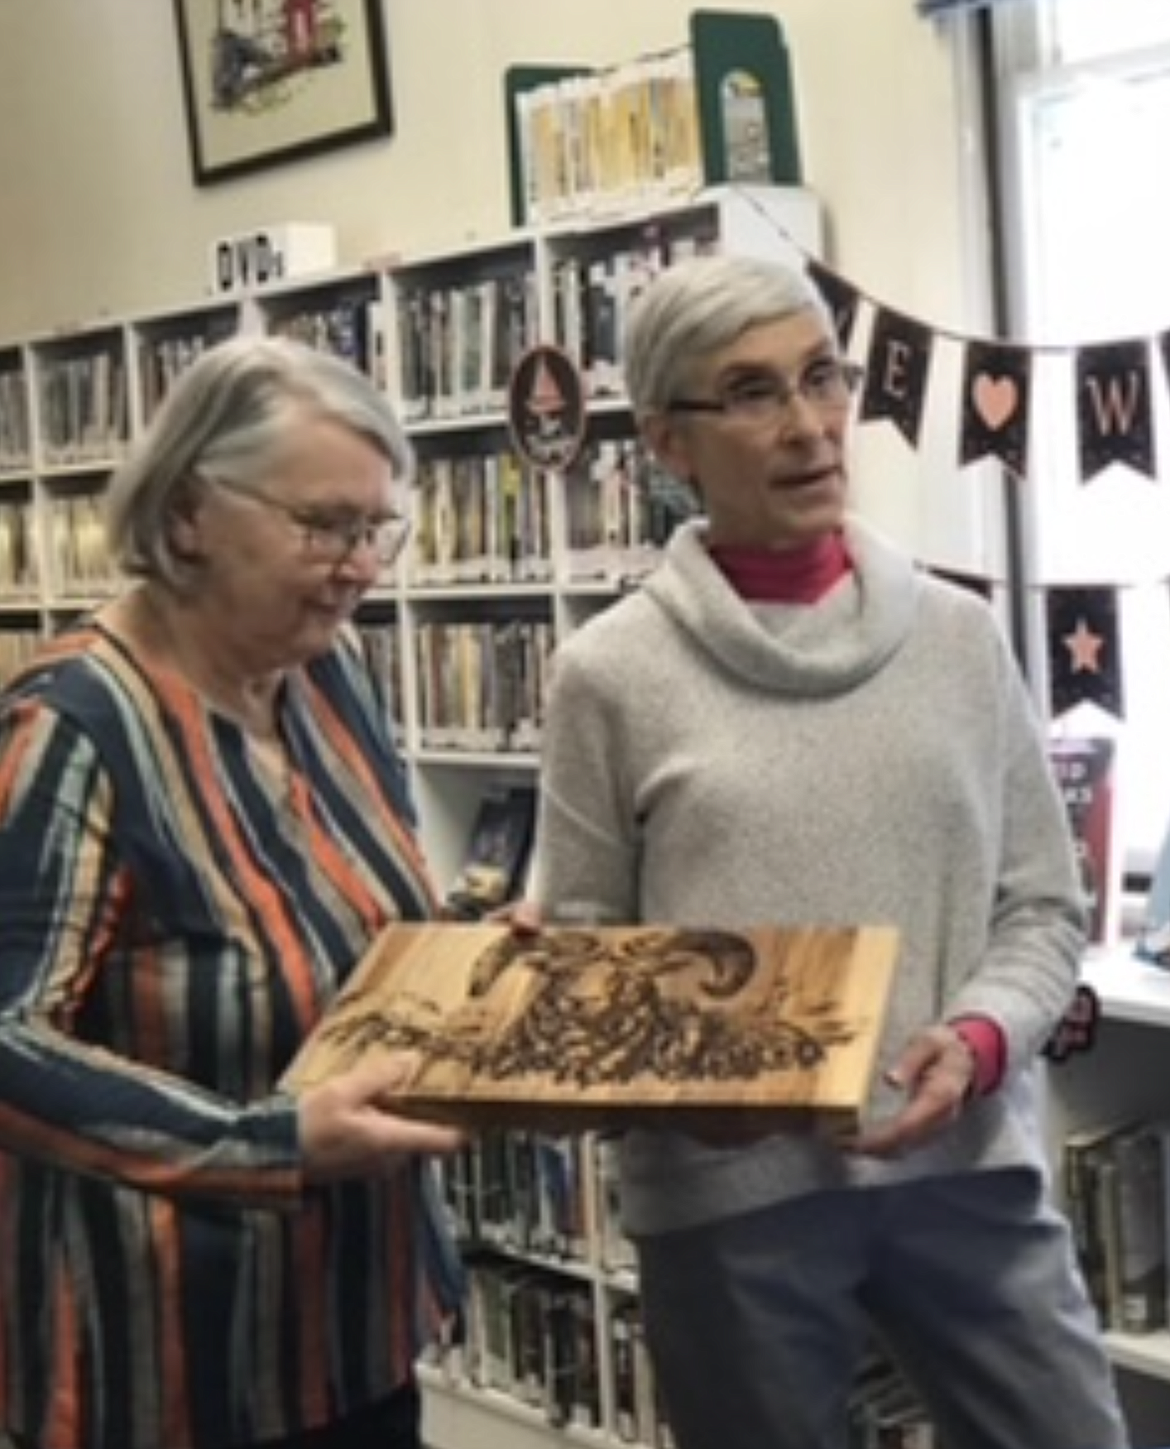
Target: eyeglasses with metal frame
(332, 536)
(763, 397)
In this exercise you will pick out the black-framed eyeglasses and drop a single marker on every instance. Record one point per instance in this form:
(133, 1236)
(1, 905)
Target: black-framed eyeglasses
(331, 536)
(827, 385)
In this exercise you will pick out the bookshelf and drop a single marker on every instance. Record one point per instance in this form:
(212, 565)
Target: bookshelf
(501, 549)
(553, 1350)
(1123, 1078)
(505, 560)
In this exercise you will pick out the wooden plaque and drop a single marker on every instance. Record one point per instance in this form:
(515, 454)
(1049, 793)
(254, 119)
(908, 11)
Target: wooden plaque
(580, 1027)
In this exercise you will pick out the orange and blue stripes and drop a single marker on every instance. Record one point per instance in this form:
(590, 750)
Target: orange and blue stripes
(172, 920)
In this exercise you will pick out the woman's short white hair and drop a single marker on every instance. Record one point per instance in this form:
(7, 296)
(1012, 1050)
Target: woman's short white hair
(698, 306)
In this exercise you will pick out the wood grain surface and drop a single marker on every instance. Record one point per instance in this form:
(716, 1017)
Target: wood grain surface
(579, 1027)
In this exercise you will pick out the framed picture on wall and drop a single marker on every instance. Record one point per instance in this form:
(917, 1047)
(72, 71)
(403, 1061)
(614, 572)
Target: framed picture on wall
(271, 81)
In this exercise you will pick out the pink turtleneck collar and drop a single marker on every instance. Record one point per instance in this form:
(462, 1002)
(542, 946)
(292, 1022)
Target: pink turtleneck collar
(784, 576)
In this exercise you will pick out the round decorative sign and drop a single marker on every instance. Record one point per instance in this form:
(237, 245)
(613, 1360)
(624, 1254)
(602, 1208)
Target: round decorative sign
(546, 408)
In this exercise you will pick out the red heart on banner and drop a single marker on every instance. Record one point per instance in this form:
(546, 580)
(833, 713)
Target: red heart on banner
(996, 399)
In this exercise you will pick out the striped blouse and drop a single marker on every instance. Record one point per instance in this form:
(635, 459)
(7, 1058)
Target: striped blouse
(174, 913)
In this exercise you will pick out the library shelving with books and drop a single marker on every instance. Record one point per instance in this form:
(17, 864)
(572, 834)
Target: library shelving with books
(506, 558)
(1109, 1124)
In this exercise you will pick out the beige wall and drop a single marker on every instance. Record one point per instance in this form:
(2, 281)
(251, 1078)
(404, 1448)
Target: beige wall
(99, 215)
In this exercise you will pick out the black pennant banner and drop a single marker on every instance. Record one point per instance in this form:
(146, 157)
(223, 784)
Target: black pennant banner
(1113, 405)
(1115, 420)
(1084, 659)
(841, 297)
(973, 583)
(900, 352)
(997, 389)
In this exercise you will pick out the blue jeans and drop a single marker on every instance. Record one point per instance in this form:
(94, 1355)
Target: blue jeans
(756, 1324)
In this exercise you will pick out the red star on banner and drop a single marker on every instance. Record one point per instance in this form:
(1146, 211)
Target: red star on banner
(1084, 648)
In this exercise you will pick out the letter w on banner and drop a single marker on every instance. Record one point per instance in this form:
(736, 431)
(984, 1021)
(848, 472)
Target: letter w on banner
(1115, 420)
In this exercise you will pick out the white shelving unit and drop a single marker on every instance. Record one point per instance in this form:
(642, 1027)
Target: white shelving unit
(442, 332)
(1124, 1076)
(71, 402)
(553, 1351)
(458, 1416)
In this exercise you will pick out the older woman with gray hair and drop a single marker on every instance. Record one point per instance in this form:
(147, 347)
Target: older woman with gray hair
(203, 825)
(791, 724)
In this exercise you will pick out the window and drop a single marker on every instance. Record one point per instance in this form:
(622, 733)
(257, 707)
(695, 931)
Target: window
(1085, 110)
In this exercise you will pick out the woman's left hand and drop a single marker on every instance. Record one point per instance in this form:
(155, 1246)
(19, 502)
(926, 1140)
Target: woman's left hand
(936, 1071)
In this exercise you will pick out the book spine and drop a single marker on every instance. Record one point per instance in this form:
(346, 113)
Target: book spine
(1140, 1222)
(1082, 1158)
(1108, 1219)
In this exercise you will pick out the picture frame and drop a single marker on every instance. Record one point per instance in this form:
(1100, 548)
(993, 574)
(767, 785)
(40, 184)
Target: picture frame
(267, 82)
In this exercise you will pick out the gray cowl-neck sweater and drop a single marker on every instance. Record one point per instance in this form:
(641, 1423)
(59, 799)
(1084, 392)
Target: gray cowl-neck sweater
(870, 758)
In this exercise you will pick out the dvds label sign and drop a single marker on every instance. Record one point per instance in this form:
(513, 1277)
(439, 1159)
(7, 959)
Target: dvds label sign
(259, 259)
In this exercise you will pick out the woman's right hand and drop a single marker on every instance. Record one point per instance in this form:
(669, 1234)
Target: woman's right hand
(349, 1128)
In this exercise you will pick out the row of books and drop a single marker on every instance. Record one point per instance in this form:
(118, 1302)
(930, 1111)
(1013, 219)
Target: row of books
(610, 139)
(639, 1414)
(458, 344)
(621, 509)
(83, 399)
(480, 518)
(381, 641)
(17, 646)
(162, 360)
(533, 1335)
(79, 550)
(591, 300)
(349, 327)
(592, 296)
(536, 1336)
(19, 571)
(486, 518)
(1115, 1188)
(495, 860)
(84, 407)
(535, 1214)
(482, 683)
(15, 439)
(519, 1191)
(78, 558)
(541, 1196)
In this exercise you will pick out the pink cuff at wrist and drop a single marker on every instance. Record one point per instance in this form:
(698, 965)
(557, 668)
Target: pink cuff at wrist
(987, 1046)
